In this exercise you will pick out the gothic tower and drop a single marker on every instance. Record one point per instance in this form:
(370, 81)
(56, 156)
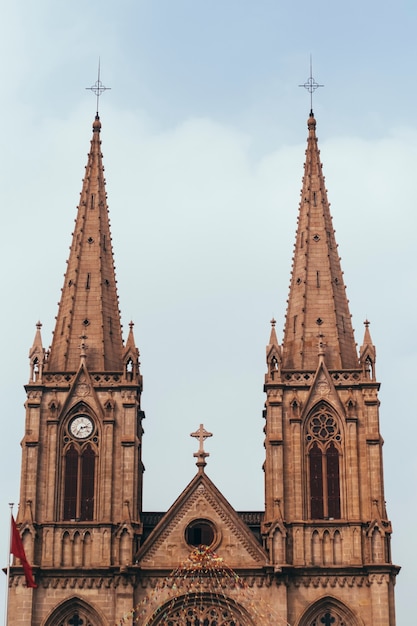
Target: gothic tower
(326, 525)
(320, 551)
(81, 482)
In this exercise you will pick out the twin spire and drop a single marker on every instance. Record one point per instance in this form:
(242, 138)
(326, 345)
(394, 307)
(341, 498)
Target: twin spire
(317, 320)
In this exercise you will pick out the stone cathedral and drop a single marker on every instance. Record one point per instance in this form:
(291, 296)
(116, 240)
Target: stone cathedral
(319, 553)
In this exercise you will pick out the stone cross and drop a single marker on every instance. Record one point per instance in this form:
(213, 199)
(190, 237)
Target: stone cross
(201, 455)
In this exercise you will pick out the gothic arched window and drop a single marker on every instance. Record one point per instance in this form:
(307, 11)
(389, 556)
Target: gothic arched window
(79, 480)
(205, 610)
(74, 612)
(323, 438)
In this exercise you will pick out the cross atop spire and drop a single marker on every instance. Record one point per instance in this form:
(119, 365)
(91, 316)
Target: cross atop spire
(311, 85)
(98, 88)
(201, 455)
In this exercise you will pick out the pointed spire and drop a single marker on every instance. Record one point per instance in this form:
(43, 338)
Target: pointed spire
(88, 311)
(131, 358)
(36, 356)
(273, 354)
(368, 353)
(318, 309)
(273, 340)
(130, 343)
(367, 341)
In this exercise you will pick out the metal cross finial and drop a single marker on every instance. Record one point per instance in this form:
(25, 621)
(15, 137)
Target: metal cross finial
(98, 88)
(311, 85)
(201, 455)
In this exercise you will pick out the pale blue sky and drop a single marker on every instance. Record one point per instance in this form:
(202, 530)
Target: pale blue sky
(204, 132)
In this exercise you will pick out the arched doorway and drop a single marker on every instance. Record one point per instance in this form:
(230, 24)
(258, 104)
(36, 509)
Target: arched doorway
(329, 612)
(75, 612)
(201, 610)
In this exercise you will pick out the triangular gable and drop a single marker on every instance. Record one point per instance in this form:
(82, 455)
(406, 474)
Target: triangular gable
(166, 546)
(323, 390)
(82, 392)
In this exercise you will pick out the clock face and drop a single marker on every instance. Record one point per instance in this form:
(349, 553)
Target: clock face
(81, 427)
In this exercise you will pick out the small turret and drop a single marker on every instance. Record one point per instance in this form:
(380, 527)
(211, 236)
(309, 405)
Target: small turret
(131, 364)
(37, 357)
(367, 354)
(273, 355)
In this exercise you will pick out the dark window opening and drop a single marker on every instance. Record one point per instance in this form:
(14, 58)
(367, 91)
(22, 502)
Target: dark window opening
(316, 482)
(79, 482)
(199, 533)
(71, 483)
(333, 482)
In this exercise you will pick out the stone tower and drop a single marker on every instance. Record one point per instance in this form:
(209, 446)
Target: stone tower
(325, 525)
(319, 554)
(81, 483)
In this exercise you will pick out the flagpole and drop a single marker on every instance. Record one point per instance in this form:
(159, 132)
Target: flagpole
(6, 606)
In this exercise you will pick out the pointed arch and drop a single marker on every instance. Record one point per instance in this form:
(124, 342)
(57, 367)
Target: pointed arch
(70, 482)
(337, 548)
(316, 548)
(35, 369)
(333, 481)
(79, 481)
(87, 549)
(323, 438)
(327, 549)
(377, 543)
(208, 609)
(125, 548)
(66, 550)
(316, 482)
(331, 611)
(77, 550)
(28, 541)
(65, 612)
(87, 472)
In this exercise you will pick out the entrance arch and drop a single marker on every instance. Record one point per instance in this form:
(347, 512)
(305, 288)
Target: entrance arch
(329, 611)
(201, 610)
(75, 612)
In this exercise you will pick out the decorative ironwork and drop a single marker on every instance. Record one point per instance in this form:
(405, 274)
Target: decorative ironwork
(311, 85)
(98, 88)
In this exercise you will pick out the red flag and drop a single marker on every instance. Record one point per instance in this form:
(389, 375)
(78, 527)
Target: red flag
(18, 550)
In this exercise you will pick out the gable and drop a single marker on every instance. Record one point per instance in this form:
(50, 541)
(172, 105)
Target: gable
(166, 547)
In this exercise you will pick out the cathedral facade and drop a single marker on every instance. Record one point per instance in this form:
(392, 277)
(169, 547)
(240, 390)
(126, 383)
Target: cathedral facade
(319, 553)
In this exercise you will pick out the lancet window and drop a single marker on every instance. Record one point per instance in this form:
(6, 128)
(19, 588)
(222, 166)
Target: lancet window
(323, 441)
(79, 482)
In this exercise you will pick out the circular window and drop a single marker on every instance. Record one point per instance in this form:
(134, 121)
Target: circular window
(200, 532)
(323, 426)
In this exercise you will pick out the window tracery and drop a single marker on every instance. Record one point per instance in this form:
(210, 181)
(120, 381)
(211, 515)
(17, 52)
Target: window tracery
(197, 610)
(327, 618)
(323, 441)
